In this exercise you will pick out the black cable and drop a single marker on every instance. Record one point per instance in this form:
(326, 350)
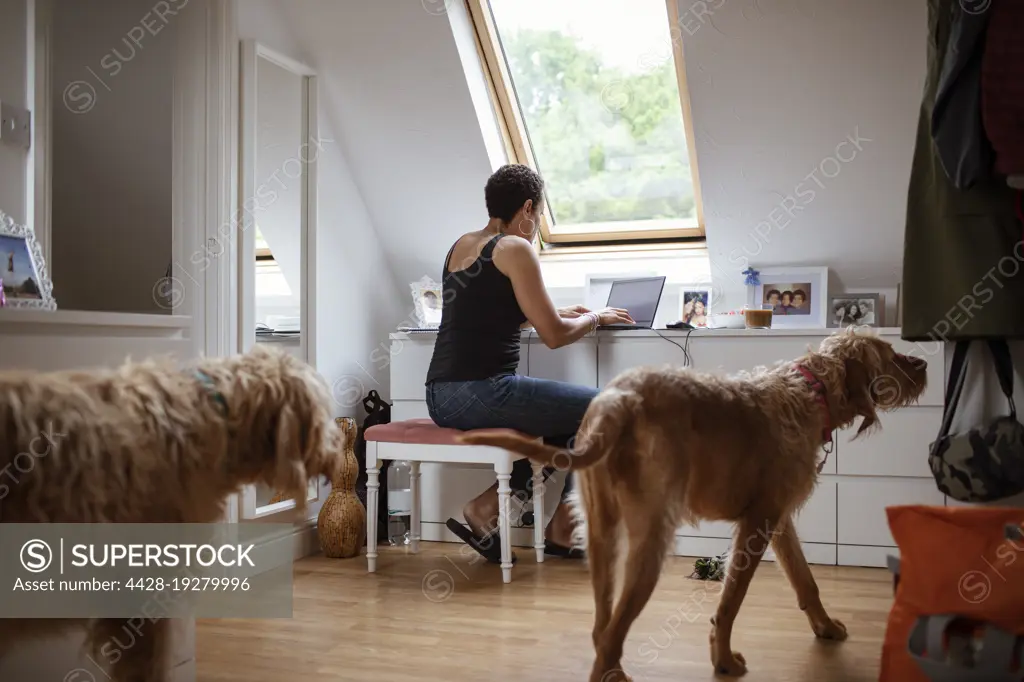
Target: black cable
(687, 358)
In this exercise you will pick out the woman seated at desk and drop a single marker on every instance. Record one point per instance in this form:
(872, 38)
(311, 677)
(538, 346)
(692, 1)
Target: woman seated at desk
(492, 288)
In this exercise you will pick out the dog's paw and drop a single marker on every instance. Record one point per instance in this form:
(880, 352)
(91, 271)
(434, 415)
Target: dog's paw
(731, 665)
(833, 630)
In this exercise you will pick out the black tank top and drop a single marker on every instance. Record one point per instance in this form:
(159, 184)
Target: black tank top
(480, 322)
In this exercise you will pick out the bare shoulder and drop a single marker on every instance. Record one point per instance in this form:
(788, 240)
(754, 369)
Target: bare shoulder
(513, 244)
(512, 250)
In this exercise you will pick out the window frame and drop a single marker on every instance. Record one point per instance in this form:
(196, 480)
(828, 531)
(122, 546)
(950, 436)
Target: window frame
(518, 149)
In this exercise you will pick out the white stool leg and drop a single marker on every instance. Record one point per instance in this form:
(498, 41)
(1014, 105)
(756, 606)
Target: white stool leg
(503, 469)
(414, 520)
(372, 487)
(538, 511)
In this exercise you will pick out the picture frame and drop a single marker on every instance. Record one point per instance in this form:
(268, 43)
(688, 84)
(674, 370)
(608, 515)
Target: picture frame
(427, 297)
(858, 310)
(799, 296)
(23, 272)
(695, 302)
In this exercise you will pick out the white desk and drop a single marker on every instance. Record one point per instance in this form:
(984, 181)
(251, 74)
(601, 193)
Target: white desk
(844, 522)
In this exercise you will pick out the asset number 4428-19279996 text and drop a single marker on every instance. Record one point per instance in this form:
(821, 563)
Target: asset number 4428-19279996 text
(188, 584)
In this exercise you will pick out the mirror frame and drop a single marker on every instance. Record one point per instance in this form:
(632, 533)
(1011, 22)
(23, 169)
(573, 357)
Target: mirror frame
(251, 53)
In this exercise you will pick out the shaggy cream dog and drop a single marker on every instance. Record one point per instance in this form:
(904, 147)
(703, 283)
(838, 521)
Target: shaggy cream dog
(152, 442)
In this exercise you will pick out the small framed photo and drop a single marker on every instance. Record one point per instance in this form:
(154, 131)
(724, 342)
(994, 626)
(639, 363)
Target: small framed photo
(696, 305)
(798, 296)
(858, 310)
(427, 298)
(26, 283)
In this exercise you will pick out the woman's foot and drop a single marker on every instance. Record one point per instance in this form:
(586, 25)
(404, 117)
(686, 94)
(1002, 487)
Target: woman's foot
(481, 513)
(559, 530)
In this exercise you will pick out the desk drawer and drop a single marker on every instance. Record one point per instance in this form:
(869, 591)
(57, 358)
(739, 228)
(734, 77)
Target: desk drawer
(816, 522)
(862, 503)
(410, 359)
(900, 448)
(618, 355)
(575, 363)
(728, 355)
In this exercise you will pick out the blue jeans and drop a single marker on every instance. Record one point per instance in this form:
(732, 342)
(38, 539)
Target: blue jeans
(548, 409)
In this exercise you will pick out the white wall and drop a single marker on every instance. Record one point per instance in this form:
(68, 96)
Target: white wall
(805, 116)
(113, 66)
(405, 120)
(13, 89)
(775, 88)
(358, 299)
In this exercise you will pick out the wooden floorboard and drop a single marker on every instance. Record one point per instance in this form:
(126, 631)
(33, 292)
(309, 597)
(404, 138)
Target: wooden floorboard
(440, 615)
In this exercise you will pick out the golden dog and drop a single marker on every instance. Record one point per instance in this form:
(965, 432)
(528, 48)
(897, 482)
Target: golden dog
(662, 447)
(153, 443)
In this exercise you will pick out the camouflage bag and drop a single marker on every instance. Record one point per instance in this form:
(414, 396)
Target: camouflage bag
(986, 463)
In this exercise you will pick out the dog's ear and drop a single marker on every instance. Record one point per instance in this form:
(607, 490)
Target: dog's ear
(859, 395)
(290, 475)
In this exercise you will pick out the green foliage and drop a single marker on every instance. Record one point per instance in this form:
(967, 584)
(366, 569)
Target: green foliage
(709, 568)
(609, 143)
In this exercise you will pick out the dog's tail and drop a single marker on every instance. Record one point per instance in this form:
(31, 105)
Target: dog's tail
(609, 414)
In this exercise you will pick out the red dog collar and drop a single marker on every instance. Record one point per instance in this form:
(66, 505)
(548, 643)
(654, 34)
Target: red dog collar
(819, 393)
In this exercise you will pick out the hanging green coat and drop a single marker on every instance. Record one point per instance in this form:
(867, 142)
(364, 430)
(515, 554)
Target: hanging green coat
(963, 261)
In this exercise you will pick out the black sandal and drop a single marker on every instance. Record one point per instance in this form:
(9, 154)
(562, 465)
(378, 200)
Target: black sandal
(554, 549)
(489, 547)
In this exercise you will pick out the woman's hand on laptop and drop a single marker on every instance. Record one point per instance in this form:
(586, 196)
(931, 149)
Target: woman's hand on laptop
(614, 316)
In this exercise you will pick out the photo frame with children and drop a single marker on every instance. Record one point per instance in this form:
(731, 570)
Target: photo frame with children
(857, 310)
(26, 283)
(798, 296)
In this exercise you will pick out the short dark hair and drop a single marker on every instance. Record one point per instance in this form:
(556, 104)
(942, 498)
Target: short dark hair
(800, 293)
(774, 291)
(509, 188)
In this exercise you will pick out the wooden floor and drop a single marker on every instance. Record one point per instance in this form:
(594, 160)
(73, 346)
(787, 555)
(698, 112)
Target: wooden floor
(441, 616)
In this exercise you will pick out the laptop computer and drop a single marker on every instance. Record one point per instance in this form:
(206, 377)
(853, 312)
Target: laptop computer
(640, 297)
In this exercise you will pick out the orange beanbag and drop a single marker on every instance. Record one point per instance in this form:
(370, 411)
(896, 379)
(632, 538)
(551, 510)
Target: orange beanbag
(958, 568)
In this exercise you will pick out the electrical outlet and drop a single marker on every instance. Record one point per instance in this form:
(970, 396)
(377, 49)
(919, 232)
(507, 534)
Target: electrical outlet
(15, 126)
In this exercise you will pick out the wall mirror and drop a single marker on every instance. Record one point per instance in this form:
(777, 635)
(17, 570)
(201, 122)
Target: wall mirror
(277, 230)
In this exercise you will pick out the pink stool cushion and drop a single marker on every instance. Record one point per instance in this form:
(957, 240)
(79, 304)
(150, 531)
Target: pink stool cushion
(423, 431)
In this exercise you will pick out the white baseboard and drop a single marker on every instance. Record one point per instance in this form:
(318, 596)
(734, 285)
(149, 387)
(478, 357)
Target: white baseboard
(816, 553)
(861, 555)
(304, 539)
(823, 554)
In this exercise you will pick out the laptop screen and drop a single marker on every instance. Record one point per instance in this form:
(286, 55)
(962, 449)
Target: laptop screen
(639, 296)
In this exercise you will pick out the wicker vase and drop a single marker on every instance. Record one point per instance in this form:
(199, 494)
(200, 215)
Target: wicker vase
(342, 520)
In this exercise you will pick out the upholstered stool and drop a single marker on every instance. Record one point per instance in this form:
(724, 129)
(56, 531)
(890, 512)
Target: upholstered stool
(420, 440)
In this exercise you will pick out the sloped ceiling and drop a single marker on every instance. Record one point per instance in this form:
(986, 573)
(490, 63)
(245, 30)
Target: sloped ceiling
(776, 86)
